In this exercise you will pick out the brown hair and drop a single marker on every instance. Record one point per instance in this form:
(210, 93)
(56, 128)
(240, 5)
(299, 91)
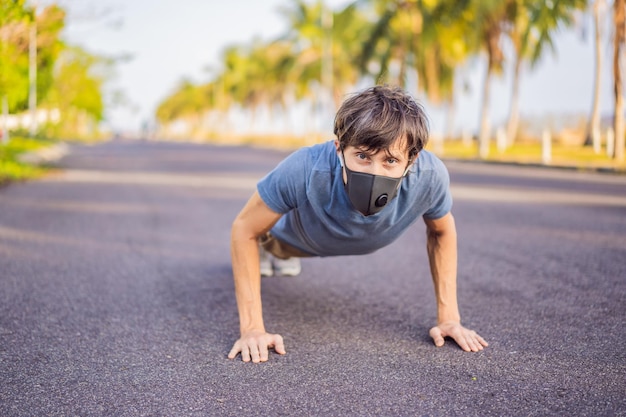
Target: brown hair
(378, 116)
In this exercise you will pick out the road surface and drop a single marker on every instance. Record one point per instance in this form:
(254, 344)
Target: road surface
(116, 297)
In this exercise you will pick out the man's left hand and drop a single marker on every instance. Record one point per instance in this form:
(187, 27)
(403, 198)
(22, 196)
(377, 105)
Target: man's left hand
(467, 339)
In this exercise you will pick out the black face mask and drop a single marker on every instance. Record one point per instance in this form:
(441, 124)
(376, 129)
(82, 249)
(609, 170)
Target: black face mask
(370, 193)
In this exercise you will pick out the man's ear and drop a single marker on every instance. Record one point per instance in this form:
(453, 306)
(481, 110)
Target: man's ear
(411, 162)
(339, 153)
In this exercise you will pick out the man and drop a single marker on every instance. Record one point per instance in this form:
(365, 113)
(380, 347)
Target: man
(350, 196)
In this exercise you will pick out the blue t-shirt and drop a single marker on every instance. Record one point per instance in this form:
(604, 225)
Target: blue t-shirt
(319, 219)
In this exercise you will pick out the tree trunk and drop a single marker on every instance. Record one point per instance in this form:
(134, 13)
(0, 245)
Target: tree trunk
(432, 79)
(5, 119)
(620, 35)
(484, 135)
(495, 58)
(513, 123)
(450, 116)
(593, 128)
(401, 80)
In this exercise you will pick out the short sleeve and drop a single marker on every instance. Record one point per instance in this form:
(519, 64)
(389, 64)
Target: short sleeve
(286, 184)
(441, 198)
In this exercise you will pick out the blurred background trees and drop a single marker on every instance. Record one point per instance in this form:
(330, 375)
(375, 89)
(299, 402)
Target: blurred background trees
(46, 86)
(323, 54)
(419, 44)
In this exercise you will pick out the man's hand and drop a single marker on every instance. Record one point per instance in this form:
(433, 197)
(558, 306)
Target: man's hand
(467, 339)
(255, 344)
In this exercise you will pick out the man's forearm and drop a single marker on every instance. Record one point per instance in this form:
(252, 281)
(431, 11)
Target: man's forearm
(247, 277)
(442, 255)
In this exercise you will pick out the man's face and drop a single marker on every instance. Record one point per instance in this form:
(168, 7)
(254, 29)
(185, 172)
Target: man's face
(391, 162)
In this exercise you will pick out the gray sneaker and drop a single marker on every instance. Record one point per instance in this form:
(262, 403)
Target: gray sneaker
(287, 267)
(265, 263)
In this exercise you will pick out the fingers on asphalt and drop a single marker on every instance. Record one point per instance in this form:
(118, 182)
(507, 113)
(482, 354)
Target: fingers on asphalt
(279, 346)
(234, 351)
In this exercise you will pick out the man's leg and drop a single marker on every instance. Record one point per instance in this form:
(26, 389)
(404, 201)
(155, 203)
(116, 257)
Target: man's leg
(286, 258)
(267, 270)
(288, 267)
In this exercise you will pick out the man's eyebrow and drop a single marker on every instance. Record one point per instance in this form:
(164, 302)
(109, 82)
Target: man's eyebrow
(389, 153)
(371, 152)
(365, 150)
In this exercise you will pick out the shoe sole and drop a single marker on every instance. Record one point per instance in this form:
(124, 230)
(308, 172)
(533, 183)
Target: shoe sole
(289, 272)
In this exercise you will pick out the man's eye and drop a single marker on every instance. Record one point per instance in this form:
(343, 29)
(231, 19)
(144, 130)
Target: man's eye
(361, 156)
(391, 161)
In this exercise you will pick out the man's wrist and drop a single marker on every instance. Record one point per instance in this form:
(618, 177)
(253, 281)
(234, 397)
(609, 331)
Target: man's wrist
(448, 318)
(252, 330)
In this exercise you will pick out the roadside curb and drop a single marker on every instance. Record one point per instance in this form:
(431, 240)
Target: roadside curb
(572, 168)
(45, 156)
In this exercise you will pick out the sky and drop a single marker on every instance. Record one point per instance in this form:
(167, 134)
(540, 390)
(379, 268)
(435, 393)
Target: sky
(169, 40)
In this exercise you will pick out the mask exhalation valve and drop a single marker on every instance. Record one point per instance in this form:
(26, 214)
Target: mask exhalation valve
(381, 200)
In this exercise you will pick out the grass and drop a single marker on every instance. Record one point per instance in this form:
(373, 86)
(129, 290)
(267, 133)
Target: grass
(578, 157)
(11, 168)
(529, 153)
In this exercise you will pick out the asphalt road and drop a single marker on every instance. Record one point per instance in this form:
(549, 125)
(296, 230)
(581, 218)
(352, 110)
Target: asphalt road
(116, 297)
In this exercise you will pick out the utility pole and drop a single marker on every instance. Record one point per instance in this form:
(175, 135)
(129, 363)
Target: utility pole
(5, 119)
(327, 64)
(3, 89)
(32, 77)
(619, 38)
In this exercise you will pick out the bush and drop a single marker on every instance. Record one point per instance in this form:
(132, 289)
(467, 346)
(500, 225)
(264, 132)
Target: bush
(11, 168)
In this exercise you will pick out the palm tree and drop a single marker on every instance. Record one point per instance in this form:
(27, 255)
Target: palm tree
(442, 46)
(531, 29)
(324, 44)
(279, 61)
(429, 36)
(389, 50)
(619, 19)
(593, 127)
(349, 28)
(490, 18)
(187, 102)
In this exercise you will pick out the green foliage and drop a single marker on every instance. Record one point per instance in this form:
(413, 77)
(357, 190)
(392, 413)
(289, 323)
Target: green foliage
(77, 92)
(77, 83)
(14, 21)
(10, 166)
(383, 40)
(540, 21)
(15, 32)
(276, 72)
(69, 79)
(50, 23)
(187, 100)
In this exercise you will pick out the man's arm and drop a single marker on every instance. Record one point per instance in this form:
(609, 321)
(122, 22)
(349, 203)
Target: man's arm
(442, 256)
(255, 219)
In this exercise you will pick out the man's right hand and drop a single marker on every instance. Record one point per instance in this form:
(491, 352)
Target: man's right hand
(255, 345)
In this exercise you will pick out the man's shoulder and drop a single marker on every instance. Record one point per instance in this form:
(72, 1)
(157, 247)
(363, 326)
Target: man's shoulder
(301, 162)
(314, 151)
(428, 161)
(427, 157)
(321, 149)
(316, 157)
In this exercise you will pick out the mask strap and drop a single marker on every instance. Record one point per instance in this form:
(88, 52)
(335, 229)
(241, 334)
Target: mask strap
(408, 167)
